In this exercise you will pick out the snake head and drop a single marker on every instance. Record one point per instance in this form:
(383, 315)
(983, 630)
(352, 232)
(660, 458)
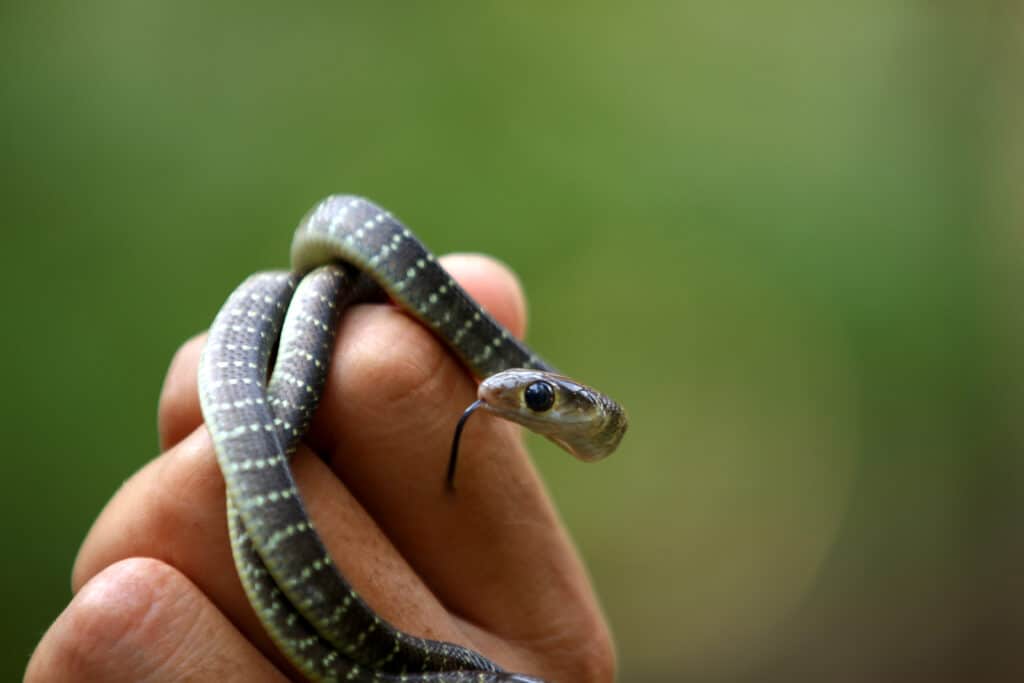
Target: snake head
(584, 422)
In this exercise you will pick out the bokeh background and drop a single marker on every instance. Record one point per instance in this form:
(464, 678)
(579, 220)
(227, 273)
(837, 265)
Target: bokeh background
(788, 236)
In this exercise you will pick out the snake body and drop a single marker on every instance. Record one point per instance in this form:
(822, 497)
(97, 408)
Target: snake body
(345, 249)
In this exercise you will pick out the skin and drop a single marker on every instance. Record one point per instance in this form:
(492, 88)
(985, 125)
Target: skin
(156, 597)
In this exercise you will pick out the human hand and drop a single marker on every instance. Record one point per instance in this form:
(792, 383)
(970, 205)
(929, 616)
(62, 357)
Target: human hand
(156, 593)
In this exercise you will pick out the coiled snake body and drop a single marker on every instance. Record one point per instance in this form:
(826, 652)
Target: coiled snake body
(349, 249)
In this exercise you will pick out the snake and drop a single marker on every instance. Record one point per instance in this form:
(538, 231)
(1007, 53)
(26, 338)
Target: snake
(261, 374)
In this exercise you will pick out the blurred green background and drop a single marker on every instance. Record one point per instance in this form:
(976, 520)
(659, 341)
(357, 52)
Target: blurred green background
(788, 236)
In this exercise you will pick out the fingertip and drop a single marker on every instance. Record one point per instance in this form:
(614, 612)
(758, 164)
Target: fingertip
(93, 630)
(178, 412)
(494, 285)
(141, 619)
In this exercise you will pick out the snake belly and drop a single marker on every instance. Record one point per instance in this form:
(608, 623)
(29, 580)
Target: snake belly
(325, 629)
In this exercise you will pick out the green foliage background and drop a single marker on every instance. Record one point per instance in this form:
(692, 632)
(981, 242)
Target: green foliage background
(786, 235)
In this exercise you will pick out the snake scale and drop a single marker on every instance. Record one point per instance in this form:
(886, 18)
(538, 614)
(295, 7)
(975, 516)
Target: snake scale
(281, 325)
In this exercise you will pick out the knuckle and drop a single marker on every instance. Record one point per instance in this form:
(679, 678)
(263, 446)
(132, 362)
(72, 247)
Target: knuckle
(596, 659)
(411, 366)
(183, 361)
(113, 619)
(580, 648)
(177, 395)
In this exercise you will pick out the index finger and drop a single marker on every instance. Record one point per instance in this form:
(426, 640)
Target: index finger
(495, 551)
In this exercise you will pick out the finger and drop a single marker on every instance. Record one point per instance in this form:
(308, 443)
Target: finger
(178, 412)
(173, 510)
(495, 552)
(141, 620)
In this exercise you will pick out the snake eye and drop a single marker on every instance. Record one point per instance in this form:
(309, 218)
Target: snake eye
(539, 396)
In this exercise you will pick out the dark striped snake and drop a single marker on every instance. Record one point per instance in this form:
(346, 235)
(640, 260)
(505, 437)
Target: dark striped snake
(348, 249)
